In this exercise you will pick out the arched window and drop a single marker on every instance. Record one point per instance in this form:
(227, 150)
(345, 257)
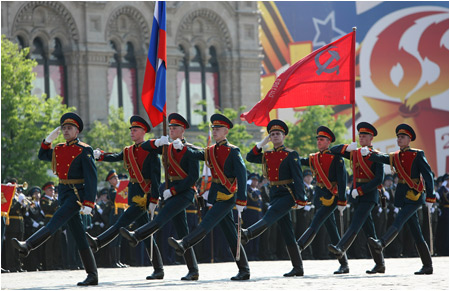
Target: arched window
(50, 71)
(122, 81)
(198, 85)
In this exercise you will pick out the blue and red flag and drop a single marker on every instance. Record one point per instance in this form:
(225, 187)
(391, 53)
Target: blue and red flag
(154, 88)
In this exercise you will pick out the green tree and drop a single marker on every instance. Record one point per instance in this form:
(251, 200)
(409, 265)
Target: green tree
(111, 137)
(302, 135)
(26, 119)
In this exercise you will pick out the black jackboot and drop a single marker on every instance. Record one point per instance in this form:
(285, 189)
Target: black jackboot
(87, 257)
(103, 239)
(379, 244)
(33, 242)
(343, 269)
(244, 269)
(343, 245)
(253, 231)
(188, 241)
(157, 263)
(143, 232)
(379, 262)
(305, 240)
(191, 262)
(425, 256)
(296, 259)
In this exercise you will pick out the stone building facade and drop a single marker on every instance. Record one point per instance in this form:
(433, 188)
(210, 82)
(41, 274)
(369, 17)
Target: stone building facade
(94, 53)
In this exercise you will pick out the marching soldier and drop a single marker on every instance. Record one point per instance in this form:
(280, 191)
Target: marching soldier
(144, 168)
(113, 179)
(49, 204)
(34, 220)
(369, 176)
(282, 167)
(228, 188)
(183, 170)
(74, 164)
(330, 190)
(410, 164)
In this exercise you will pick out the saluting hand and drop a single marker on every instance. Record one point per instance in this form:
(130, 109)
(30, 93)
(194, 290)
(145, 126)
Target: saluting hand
(263, 142)
(53, 135)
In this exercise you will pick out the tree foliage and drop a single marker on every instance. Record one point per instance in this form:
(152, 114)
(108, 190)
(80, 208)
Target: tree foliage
(111, 138)
(26, 119)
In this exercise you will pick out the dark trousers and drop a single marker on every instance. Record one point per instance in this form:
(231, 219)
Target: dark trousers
(279, 212)
(325, 215)
(408, 214)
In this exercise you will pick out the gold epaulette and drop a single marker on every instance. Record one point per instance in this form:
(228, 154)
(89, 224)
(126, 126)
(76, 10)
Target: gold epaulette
(82, 144)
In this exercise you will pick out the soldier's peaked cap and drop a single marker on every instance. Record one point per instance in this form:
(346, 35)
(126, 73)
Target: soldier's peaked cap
(177, 119)
(324, 131)
(111, 174)
(73, 119)
(137, 121)
(219, 120)
(365, 127)
(277, 125)
(48, 185)
(405, 129)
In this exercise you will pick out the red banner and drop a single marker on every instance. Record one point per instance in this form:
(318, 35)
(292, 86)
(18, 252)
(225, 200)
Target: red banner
(121, 200)
(7, 197)
(324, 77)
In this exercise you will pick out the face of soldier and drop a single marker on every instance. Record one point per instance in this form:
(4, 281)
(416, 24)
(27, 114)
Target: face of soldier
(277, 138)
(36, 196)
(113, 181)
(219, 133)
(254, 183)
(365, 139)
(308, 179)
(137, 134)
(50, 191)
(403, 140)
(323, 143)
(70, 132)
(176, 131)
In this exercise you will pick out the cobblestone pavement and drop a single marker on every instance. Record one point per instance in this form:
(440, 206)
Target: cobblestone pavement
(264, 275)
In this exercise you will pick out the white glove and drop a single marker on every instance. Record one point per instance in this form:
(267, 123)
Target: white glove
(152, 207)
(167, 194)
(307, 208)
(240, 208)
(341, 208)
(99, 210)
(263, 142)
(429, 204)
(298, 206)
(97, 153)
(163, 140)
(205, 195)
(54, 134)
(352, 147)
(178, 144)
(355, 193)
(396, 210)
(35, 224)
(21, 198)
(365, 151)
(86, 210)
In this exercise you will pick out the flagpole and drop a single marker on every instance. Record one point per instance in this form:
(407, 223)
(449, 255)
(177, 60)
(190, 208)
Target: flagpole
(353, 103)
(166, 171)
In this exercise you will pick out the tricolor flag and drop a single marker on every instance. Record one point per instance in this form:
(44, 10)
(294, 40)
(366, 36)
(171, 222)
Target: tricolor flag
(154, 88)
(324, 77)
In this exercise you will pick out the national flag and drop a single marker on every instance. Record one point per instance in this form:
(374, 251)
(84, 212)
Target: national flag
(154, 88)
(324, 77)
(8, 192)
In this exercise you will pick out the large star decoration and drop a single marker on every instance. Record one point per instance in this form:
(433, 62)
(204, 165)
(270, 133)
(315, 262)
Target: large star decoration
(422, 118)
(329, 31)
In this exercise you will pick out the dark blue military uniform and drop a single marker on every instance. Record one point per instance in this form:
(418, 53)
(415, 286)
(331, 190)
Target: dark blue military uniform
(410, 165)
(284, 172)
(251, 215)
(330, 190)
(369, 176)
(228, 159)
(183, 171)
(73, 163)
(150, 167)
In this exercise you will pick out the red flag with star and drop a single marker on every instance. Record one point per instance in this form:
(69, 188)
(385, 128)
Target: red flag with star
(324, 77)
